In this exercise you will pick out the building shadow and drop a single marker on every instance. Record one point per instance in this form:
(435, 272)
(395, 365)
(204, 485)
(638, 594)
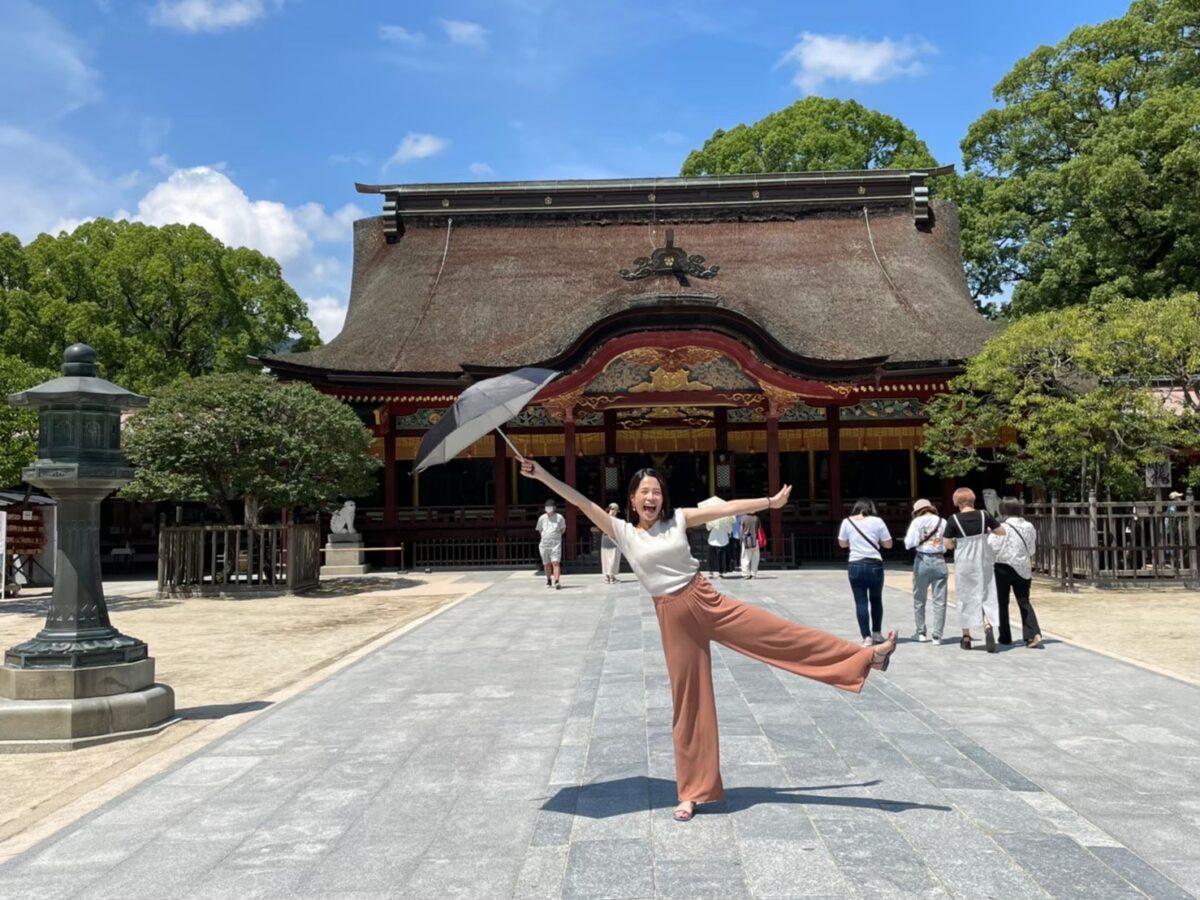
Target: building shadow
(621, 796)
(221, 710)
(344, 586)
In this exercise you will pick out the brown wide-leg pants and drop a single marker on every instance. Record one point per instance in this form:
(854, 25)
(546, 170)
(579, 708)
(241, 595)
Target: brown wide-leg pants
(697, 614)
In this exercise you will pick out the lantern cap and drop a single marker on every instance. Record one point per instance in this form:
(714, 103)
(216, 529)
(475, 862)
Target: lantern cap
(79, 384)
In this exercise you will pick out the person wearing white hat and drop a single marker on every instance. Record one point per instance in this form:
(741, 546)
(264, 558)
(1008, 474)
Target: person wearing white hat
(929, 569)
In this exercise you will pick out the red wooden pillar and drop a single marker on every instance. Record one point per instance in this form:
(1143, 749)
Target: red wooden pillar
(500, 493)
(569, 455)
(390, 535)
(833, 418)
(610, 491)
(773, 479)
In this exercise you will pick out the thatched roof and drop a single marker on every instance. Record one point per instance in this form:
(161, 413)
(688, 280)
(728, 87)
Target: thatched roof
(459, 277)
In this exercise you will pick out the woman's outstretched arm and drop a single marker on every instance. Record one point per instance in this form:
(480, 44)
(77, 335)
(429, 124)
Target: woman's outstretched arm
(601, 519)
(698, 515)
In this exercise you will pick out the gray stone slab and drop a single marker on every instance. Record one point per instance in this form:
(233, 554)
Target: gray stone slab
(1142, 876)
(718, 879)
(542, 873)
(780, 868)
(1065, 869)
(616, 868)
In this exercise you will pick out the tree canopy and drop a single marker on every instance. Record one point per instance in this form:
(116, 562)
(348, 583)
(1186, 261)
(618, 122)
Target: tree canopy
(1077, 399)
(1081, 186)
(218, 438)
(813, 134)
(18, 427)
(156, 303)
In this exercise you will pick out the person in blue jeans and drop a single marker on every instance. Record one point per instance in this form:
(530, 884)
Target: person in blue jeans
(866, 535)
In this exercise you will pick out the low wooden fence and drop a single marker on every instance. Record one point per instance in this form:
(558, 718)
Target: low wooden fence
(205, 560)
(1113, 543)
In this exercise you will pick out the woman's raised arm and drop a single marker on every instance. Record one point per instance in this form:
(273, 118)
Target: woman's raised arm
(698, 515)
(601, 519)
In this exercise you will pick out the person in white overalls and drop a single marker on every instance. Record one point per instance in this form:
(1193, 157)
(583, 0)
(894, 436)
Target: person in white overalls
(974, 568)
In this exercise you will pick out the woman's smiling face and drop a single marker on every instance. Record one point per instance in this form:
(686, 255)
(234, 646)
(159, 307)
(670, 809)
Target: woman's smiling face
(647, 500)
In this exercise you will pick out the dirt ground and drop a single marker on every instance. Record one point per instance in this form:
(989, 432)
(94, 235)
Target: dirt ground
(227, 660)
(1156, 628)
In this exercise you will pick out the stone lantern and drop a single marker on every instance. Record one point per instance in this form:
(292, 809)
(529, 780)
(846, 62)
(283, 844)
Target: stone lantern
(79, 681)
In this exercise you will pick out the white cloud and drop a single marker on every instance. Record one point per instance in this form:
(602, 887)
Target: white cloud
(819, 58)
(328, 314)
(398, 34)
(416, 146)
(43, 66)
(337, 226)
(206, 197)
(469, 34)
(210, 15)
(481, 168)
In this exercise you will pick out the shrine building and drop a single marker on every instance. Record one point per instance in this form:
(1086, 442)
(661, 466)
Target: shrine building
(736, 333)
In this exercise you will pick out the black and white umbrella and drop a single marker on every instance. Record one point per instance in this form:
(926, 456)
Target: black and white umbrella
(480, 408)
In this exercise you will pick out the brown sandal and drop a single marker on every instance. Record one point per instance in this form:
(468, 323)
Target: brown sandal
(881, 661)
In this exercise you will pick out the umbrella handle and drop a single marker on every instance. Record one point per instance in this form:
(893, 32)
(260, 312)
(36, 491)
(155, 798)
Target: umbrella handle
(510, 444)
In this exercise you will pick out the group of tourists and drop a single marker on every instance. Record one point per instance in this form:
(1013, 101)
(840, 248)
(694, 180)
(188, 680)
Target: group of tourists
(993, 560)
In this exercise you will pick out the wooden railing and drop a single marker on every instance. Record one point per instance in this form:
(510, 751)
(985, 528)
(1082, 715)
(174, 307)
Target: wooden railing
(204, 560)
(1103, 542)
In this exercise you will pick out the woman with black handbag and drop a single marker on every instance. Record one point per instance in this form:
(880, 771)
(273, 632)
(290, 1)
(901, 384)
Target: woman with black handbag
(1014, 552)
(866, 536)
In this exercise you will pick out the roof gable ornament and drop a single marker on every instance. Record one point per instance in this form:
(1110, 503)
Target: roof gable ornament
(670, 260)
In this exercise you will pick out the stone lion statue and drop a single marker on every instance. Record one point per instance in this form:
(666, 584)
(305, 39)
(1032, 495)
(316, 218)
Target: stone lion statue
(342, 521)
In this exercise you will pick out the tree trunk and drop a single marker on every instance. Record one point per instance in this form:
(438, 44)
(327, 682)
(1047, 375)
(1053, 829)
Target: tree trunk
(227, 512)
(252, 510)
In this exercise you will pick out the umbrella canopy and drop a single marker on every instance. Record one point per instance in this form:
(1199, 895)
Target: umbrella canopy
(723, 522)
(483, 406)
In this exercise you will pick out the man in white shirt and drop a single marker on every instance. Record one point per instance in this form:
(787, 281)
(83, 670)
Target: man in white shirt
(551, 526)
(929, 568)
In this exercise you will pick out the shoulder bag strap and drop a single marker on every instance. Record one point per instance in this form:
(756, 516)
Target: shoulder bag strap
(864, 537)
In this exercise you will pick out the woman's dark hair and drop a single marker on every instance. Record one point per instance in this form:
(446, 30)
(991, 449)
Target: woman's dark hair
(666, 512)
(1011, 506)
(863, 506)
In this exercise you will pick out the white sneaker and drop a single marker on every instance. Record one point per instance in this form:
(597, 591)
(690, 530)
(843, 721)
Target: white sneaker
(867, 642)
(876, 637)
(922, 637)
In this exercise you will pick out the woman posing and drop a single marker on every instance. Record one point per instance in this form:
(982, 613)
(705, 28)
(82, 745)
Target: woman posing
(867, 537)
(692, 613)
(1014, 551)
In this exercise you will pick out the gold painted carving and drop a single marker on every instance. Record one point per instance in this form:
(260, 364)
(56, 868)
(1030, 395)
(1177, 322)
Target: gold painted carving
(671, 360)
(563, 406)
(663, 380)
(779, 400)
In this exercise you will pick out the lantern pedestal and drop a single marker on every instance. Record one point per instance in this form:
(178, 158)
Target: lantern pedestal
(79, 681)
(344, 556)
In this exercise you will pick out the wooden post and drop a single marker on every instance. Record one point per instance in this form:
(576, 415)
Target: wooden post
(1093, 538)
(610, 452)
(773, 480)
(389, 487)
(1054, 538)
(812, 479)
(1191, 538)
(569, 459)
(914, 487)
(500, 493)
(948, 497)
(833, 420)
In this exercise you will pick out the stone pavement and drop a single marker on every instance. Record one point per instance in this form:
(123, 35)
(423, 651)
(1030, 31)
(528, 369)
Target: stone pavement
(519, 744)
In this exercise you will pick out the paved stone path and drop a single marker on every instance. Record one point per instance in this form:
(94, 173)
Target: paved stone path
(519, 744)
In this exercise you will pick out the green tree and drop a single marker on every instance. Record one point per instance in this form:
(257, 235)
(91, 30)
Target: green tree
(158, 304)
(811, 135)
(18, 427)
(1077, 399)
(218, 438)
(1081, 186)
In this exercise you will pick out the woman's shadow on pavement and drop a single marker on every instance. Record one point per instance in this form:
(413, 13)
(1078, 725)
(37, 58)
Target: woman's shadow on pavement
(627, 795)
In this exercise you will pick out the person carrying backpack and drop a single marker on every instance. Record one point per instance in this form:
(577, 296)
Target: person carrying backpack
(866, 536)
(752, 539)
(1014, 552)
(929, 568)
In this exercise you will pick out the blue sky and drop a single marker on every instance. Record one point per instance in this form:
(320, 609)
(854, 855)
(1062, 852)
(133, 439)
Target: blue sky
(255, 117)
